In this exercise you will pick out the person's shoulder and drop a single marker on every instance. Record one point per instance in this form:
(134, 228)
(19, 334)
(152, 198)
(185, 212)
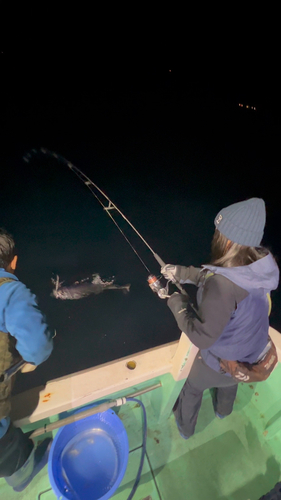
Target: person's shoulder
(219, 280)
(6, 280)
(221, 284)
(13, 286)
(218, 284)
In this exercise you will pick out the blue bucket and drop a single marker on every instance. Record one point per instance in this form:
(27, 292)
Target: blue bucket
(88, 458)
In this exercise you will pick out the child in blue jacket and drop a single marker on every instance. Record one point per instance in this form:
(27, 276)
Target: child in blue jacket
(25, 335)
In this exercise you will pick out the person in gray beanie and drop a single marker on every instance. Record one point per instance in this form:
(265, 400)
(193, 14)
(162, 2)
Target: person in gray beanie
(233, 304)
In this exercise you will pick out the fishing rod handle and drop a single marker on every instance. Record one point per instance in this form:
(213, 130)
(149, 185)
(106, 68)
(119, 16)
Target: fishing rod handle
(182, 290)
(159, 260)
(179, 287)
(162, 264)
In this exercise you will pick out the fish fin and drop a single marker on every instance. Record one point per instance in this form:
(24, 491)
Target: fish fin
(126, 289)
(96, 279)
(56, 282)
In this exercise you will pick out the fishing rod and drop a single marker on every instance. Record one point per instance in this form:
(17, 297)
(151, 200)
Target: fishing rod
(153, 282)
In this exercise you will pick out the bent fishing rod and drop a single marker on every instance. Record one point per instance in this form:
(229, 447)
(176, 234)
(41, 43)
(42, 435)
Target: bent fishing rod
(154, 283)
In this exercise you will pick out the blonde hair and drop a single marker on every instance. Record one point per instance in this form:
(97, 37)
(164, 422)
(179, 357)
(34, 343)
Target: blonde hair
(226, 253)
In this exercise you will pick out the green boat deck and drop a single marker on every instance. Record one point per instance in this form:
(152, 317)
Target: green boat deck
(238, 458)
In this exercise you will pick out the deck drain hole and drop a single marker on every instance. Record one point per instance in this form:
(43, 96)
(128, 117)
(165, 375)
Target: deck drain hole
(131, 365)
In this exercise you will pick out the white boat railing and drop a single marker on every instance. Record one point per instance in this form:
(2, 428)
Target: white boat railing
(86, 386)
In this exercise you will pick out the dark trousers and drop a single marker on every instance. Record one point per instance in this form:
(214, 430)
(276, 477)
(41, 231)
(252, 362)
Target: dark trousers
(15, 448)
(203, 377)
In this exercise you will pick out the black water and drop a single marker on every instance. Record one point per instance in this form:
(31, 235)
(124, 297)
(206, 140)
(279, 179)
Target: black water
(170, 153)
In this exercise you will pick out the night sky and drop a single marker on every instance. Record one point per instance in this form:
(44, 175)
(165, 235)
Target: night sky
(170, 148)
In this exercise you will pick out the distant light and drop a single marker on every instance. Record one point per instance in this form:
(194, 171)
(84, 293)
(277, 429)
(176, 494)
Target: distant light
(170, 71)
(247, 106)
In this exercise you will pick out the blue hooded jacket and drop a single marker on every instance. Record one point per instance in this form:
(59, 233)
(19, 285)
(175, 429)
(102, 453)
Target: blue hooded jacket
(21, 317)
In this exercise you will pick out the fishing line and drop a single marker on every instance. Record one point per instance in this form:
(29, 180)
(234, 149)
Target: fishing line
(89, 185)
(111, 206)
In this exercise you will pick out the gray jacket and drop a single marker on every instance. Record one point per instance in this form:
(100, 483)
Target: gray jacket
(233, 305)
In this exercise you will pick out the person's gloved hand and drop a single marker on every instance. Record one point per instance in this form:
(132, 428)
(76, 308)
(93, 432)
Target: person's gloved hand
(169, 272)
(28, 367)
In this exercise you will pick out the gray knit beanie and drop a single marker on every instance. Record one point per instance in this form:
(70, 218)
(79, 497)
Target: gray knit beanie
(243, 222)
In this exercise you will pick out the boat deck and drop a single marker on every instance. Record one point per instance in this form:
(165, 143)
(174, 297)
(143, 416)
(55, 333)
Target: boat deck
(238, 458)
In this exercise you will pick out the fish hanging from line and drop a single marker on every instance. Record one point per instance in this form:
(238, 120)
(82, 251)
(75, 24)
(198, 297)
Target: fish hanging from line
(84, 288)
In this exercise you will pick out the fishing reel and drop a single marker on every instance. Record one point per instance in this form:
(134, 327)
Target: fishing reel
(157, 287)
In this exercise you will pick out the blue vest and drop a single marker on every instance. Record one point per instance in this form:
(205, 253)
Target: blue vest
(246, 334)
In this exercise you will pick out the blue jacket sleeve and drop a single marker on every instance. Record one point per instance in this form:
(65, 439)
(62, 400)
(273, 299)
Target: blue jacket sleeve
(24, 320)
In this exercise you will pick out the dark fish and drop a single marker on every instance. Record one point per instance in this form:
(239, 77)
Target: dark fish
(83, 288)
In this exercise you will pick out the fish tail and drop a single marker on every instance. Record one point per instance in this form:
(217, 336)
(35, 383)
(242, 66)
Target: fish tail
(126, 288)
